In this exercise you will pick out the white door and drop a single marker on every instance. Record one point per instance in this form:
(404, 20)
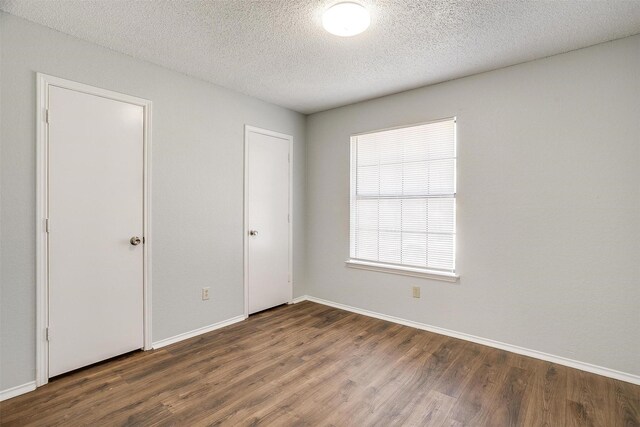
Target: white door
(95, 173)
(267, 205)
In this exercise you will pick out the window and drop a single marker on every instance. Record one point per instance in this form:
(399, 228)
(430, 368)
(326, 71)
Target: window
(403, 200)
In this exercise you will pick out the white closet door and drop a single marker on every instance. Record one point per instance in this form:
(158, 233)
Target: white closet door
(268, 221)
(95, 274)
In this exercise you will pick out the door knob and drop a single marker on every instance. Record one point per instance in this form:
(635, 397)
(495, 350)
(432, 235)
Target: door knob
(135, 240)
(253, 233)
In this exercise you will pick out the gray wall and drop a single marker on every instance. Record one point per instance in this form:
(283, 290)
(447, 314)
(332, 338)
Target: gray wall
(548, 206)
(197, 184)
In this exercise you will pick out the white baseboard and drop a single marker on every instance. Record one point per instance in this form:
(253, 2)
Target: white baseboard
(611, 373)
(181, 337)
(299, 299)
(17, 390)
(30, 386)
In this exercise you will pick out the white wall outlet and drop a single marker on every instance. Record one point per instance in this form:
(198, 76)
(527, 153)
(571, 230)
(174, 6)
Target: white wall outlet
(416, 291)
(205, 294)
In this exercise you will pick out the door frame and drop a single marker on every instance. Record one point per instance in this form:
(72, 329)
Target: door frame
(247, 130)
(45, 81)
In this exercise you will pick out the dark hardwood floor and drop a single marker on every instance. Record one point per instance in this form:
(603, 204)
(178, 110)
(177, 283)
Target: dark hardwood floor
(308, 364)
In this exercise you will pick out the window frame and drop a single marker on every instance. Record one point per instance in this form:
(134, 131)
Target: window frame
(404, 270)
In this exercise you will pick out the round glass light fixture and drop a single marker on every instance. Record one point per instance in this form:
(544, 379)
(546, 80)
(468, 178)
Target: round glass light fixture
(346, 19)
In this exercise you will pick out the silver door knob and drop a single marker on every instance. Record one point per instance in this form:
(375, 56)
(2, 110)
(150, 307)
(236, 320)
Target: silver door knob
(135, 240)
(253, 233)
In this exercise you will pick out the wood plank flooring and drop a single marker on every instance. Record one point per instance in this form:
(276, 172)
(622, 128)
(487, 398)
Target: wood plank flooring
(308, 364)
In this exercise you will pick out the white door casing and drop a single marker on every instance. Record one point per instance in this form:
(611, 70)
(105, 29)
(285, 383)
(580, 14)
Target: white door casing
(93, 197)
(268, 231)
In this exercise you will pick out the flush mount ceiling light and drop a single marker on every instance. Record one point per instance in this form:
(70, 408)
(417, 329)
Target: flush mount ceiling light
(346, 19)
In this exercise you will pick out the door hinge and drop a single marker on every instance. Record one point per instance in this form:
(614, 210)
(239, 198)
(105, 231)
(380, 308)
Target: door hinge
(289, 157)
(48, 334)
(288, 217)
(46, 225)
(46, 116)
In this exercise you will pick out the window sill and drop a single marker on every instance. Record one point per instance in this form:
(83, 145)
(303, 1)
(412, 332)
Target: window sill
(404, 271)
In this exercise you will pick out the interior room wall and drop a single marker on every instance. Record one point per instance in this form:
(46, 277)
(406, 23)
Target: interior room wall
(197, 178)
(548, 206)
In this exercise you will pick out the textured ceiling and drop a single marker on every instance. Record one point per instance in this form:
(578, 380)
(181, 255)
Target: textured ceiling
(277, 50)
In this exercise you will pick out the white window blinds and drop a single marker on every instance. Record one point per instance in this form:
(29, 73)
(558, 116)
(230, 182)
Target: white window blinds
(403, 194)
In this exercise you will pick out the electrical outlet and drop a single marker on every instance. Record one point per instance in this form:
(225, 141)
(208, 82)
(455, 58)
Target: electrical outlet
(416, 292)
(205, 294)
